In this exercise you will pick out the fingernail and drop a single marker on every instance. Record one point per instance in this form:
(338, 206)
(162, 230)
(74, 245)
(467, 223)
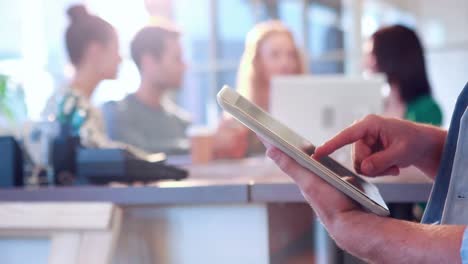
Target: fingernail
(367, 167)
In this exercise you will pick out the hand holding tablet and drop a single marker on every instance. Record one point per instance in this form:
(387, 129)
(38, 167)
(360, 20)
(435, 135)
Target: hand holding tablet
(292, 144)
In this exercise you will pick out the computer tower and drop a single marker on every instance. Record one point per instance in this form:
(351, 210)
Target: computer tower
(64, 159)
(11, 163)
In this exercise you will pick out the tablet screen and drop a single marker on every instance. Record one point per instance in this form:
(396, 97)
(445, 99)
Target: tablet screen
(307, 148)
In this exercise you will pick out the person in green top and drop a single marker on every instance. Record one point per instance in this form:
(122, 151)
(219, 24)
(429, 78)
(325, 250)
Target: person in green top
(396, 52)
(424, 110)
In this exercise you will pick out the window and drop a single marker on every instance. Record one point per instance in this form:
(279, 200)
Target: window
(195, 25)
(213, 41)
(326, 39)
(214, 44)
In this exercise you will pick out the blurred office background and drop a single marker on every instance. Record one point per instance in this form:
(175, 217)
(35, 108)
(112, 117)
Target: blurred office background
(330, 32)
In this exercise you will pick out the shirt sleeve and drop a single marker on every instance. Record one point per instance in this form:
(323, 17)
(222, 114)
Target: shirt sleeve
(464, 247)
(424, 110)
(110, 115)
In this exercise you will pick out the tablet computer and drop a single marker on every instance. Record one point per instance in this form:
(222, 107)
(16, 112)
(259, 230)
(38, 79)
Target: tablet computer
(298, 148)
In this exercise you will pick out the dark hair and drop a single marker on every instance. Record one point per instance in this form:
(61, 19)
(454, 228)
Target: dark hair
(151, 40)
(399, 55)
(84, 29)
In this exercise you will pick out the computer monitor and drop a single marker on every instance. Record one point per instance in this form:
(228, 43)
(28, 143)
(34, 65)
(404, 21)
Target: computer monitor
(319, 107)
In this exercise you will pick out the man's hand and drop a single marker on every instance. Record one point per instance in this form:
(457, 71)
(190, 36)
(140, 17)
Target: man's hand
(333, 207)
(324, 198)
(370, 237)
(381, 146)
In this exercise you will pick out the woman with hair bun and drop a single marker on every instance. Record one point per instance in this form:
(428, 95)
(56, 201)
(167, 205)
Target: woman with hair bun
(93, 49)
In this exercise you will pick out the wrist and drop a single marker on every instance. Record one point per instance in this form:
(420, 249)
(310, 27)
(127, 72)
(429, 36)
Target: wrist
(357, 232)
(431, 140)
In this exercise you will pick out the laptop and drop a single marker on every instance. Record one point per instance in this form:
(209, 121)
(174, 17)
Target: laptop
(318, 107)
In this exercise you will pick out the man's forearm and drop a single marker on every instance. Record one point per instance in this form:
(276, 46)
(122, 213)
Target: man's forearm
(433, 140)
(385, 240)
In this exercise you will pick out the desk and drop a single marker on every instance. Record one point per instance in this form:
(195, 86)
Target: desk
(412, 186)
(228, 210)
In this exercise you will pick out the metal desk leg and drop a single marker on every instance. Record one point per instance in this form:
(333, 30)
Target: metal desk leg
(326, 251)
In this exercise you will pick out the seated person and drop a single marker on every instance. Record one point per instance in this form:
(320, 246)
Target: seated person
(270, 51)
(93, 48)
(397, 52)
(148, 119)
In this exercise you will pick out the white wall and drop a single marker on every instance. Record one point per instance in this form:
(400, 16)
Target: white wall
(443, 27)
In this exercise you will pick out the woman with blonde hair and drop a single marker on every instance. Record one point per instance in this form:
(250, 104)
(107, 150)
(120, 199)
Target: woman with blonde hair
(270, 50)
